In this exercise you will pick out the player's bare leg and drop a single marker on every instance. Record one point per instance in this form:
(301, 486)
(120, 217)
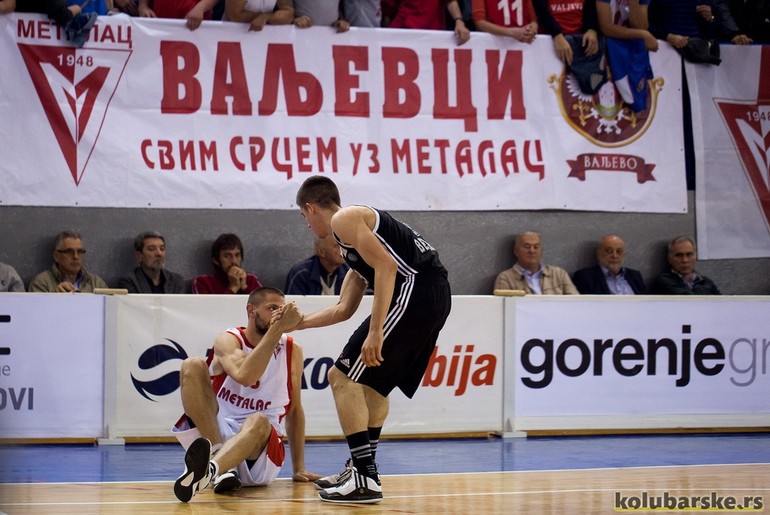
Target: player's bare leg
(198, 398)
(378, 407)
(359, 482)
(350, 400)
(247, 444)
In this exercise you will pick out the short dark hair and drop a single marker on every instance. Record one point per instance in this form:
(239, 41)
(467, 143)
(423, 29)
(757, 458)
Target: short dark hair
(225, 242)
(146, 235)
(318, 189)
(257, 295)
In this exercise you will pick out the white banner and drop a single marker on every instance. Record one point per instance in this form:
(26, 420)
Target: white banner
(149, 114)
(641, 356)
(461, 391)
(51, 365)
(731, 130)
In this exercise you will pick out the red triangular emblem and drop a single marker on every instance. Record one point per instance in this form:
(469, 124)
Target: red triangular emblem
(74, 86)
(749, 126)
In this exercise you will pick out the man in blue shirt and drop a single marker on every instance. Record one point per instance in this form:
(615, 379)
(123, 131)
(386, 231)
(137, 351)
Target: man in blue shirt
(320, 274)
(609, 276)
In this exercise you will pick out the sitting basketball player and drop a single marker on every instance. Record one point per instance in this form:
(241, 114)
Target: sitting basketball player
(235, 401)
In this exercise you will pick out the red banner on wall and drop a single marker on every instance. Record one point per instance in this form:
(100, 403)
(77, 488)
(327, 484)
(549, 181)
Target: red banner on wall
(150, 114)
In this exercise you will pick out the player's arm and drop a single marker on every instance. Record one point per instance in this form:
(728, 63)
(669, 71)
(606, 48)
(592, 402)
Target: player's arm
(295, 420)
(354, 225)
(351, 292)
(247, 370)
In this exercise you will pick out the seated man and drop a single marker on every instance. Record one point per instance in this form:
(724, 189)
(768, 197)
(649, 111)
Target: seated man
(529, 274)
(229, 277)
(67, 274)
(9, 279)
(236, 400)
(151, 275)
(683, 279)
(609, 276)
(320, 274)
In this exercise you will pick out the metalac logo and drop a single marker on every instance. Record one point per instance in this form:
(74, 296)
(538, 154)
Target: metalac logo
(75, 87)
(748, 123)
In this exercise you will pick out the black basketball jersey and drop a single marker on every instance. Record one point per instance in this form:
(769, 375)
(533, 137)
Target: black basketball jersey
(412, 253)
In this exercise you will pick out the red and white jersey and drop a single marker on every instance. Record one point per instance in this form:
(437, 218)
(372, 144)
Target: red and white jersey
(506, 13)
(271, 395)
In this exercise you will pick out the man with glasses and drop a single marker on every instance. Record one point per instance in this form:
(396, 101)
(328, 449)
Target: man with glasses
(67, 274)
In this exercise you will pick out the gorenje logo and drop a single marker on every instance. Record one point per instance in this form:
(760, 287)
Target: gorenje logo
(75, 87)
(677, 357)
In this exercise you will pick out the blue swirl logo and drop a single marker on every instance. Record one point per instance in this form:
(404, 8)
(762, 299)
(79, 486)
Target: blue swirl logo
(151, 360)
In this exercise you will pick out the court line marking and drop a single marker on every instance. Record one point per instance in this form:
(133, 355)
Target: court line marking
(44, 483)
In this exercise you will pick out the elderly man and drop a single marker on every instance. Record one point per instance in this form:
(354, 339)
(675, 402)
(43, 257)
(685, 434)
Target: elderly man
(683, 279)
(609, 276)
(529, 274)
(151, 275)
(67, 274)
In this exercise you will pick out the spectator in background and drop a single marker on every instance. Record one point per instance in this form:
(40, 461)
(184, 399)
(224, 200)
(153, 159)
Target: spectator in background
(362, 13)
(226, 257)
(609, 276)
(573, 27)
(626, 19)
(683, 279)
(425, 14)
(562, 18)
(9, 279)
(692, 28)
(529, 274)
(67, 274)
(751, 17)
(194, 11)
(624, 23)
(323, 13)
(511, 18)
(258, 13)
(98, 7)
(151, 275)
(320, 274)
(130, 7)
(76, 24)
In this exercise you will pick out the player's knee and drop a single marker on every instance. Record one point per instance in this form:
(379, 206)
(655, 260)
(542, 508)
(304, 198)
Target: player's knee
(257, 425)
(192, 367)
(337, 378)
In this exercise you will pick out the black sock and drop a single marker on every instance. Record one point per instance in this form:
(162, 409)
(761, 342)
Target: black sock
(374, 440)
(361, 453)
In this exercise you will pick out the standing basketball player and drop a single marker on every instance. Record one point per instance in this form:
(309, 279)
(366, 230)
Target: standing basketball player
(392, 346)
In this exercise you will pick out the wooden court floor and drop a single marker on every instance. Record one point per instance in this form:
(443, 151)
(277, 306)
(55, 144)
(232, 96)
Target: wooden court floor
(543, 492)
